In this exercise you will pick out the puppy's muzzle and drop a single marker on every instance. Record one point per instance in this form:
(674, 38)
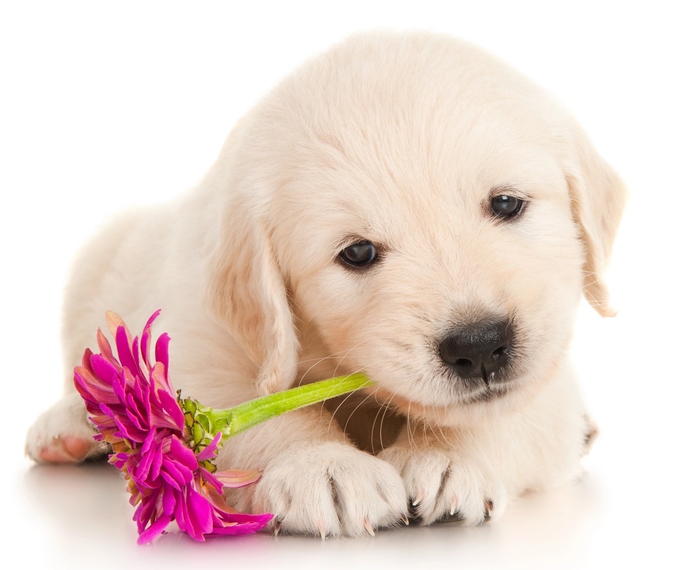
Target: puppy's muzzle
(478, 350)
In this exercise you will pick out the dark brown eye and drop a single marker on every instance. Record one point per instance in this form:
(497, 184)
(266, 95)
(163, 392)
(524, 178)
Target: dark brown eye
(359, 254)
(504, 206)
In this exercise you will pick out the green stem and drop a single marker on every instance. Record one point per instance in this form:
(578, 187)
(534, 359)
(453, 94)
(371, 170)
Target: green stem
(235, 420)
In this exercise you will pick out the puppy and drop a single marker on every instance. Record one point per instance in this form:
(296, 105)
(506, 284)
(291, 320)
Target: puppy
(403, 205)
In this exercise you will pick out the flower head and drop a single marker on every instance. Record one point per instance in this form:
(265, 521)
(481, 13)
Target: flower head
(170, 473)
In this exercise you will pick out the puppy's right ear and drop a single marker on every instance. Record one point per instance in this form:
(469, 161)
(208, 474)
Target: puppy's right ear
(246, 292)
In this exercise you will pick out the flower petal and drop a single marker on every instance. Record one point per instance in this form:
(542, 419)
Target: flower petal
(200, 514)
(209, 452)
(154, 530)
(162, 350)
(183, 454)
(241, 524)
(169, 501)
(106, 349)
(147, 336)
(92, 388)
(235, 478)
(124, 351)
(114, 322)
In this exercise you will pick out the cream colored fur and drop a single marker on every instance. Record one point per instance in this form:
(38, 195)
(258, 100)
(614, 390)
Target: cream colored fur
(401, 140)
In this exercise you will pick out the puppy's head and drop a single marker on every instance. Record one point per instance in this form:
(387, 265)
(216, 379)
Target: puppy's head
(413, 208)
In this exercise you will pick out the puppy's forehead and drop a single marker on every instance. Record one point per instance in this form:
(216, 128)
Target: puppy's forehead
(422, 124)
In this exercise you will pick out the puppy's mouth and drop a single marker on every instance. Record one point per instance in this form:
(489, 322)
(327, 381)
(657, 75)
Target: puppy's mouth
(492, 389)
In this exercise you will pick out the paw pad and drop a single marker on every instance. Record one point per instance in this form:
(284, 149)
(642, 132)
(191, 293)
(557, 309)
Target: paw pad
(67, 449)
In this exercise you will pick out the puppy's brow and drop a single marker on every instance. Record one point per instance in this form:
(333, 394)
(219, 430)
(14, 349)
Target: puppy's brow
(509, 190)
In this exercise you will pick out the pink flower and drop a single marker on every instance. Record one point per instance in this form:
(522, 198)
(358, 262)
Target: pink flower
(167, 463)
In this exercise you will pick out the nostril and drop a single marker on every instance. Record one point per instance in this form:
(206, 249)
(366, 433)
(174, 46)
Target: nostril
(499, 353)
(464, 362)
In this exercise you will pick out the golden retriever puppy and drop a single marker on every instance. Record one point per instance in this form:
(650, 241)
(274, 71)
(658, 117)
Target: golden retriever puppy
(403, 205)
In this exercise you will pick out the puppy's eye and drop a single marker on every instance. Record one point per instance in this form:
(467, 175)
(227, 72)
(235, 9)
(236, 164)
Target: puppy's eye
(359, 254)
(504, 206)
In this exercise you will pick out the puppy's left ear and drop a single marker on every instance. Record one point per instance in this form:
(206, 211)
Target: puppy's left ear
(598, 198)
(245, 291)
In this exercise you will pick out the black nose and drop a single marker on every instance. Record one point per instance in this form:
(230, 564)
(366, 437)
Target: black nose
(478, 350)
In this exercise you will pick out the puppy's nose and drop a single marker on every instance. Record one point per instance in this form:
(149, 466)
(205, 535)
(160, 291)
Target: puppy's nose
(477, 350)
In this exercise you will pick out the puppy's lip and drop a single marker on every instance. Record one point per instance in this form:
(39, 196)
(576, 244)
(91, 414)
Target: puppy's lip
(487, 393)
(497, 382)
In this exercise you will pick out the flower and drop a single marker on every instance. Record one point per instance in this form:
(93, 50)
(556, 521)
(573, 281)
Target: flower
(170, 474)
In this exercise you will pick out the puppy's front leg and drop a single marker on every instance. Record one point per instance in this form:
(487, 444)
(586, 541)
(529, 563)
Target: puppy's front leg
(470, 473)
(314, 480)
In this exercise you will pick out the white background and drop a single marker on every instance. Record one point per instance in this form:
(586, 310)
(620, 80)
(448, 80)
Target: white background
(107, 105)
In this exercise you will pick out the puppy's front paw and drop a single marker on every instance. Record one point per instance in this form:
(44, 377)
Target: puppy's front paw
(62, 434)
(442, 487)
(330, 489)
